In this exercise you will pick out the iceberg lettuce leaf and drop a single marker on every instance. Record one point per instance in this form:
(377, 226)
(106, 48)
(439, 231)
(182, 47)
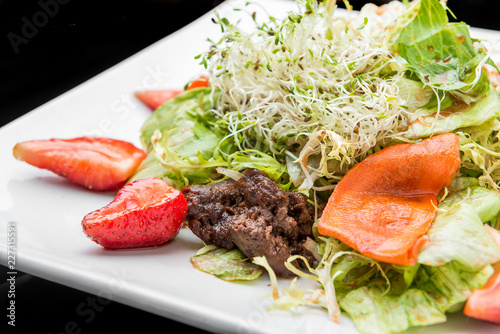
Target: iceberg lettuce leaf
(485, 109)
(435, 291)
(480, 152)
(443, 59)
(450, 285)
(430, 19)
(458, 233)
(374, 312)
(441, 54)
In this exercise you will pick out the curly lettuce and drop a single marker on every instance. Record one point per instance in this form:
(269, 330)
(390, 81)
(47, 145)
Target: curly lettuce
(183, 141)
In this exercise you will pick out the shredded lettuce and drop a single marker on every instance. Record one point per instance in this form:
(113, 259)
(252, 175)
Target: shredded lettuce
(480, 147)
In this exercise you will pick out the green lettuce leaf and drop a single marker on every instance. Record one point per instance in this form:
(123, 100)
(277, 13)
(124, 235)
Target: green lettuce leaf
(229, 265)
(182, 113)
(458, 233)
(374, 312)
(462, 183)
(450, 285)
(435, 291)
(183, 141)
(442, 59)
(485, 109)
(441, 54)
(430, 19)
(480, 153)
(485, 202)
(242, 160)
(414, 94)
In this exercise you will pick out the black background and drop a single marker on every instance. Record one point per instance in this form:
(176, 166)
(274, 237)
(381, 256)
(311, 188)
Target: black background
(80, 40)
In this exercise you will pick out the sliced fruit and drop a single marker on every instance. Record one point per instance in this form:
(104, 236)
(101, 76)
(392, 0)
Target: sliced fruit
(146, 212)
(384, 206)
(202, 81)
(93, 162)
(155, 98)
(484, 303)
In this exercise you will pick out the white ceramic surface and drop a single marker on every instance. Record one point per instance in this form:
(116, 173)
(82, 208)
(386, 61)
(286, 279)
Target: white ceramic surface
(48, 209)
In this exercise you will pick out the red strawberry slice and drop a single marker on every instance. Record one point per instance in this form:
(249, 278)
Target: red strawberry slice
(202, 81)
(155, 98)
(146, 212)
(95, 163)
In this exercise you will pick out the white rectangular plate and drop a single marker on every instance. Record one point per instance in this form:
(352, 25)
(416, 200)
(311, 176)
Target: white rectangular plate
(48, 209)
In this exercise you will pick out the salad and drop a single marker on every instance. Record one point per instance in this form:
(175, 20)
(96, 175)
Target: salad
(359, 151)
(307, 98)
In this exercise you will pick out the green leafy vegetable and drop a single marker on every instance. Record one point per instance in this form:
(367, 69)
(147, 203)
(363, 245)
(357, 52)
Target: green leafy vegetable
(463, 115)
(441, 53)
(229, 265)
(242, 160)
(374, 312)
(188, 115)
(435, 291)
(480, 147)
(458, 234)
(430, 19)
(451, 284)
(183, 140)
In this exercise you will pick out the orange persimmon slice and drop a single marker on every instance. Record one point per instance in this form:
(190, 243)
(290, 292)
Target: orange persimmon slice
(384, 205)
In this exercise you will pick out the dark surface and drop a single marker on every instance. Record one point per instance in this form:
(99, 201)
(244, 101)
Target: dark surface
(77, 41)
(46, 307)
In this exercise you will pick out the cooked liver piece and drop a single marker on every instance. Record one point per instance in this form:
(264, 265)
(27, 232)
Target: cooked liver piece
(253, 214)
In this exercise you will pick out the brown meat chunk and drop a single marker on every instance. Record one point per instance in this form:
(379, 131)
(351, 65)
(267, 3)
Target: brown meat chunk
(210, 210)
(255, 215)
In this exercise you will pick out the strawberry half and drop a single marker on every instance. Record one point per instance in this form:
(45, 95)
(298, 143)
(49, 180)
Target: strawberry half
(202, 81)
(155, 98)
(95, 163)
(146, 212)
